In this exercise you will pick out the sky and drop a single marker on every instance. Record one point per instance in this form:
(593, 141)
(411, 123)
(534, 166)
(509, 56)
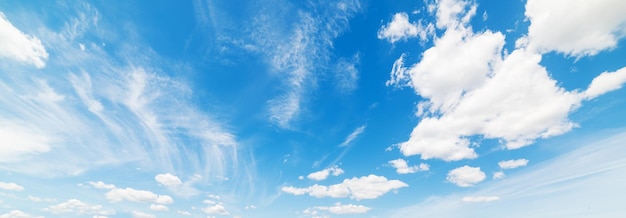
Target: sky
(328, 108)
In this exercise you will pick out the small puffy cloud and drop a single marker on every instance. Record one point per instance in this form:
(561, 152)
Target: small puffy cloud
(323, 174)
(17, 214)
(338, 208)
(511, 164)
(11, 186)
(358, 131)
(557, 25)
(158, 207)
(101, 185)
(38, 199)
(498, 175)
(168, 179)
(477, 199)
(401, 29)
(606, 82)
(129, 194)
(137, 214)
(77, 207)
(184, 213)
(466, 176)
(217, 209)
(366, 187)
(402, 167)
(16, 45)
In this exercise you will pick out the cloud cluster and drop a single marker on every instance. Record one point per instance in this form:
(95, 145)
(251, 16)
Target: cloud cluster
(77, 207)
(366, 187)
(402, 167)
(401, 29)
(323, 174)
(129, 194)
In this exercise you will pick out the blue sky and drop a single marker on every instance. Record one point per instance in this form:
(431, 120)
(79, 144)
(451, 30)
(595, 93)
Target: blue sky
(349, 108)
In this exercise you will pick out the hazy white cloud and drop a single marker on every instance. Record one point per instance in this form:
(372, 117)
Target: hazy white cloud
(137, 214)
(11, 186)
(339, 208)
(217, 209)
(184, 213)
(21, 141)
(402, 167)
(158, 207)
(511, 164)
(101, 185)
(77, 207)
(358, 131)
(499, 175)
(323, 174)
(366, 187)
(168, 179)
(129, 194)
(401, 29)
(347, 74)
(576, 27)
(250, 207)
(38, 199)
(606, 82)
(476, 199)
(466, 176)
(17, 214)
(16, 45)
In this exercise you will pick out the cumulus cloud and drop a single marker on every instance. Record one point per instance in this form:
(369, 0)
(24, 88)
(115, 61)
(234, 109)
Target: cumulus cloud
(366, 187)
(11, 186)
(466, 176)
(101, 185)
(358, 131)
(217, 209)
(323, 174)
(16, 45)
(477, 199)
(606, 82)
(511, 164)
(77, 207)
(557, 25)
(137, 214)
(158, 207)
(339, 208)
(129, 194)
(402, 167)
(401, 29)
(168, 179)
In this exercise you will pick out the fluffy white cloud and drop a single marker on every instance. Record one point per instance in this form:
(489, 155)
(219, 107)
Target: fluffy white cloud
(168, 179)
(366, 187)
(77, 207)
(323, 174)
(401, 29)
(217, 209)
(38, 199)
(466, 176)
(575, 27)
(358, 131)
(17, 214)
(16, 45)
(499, 175)
(402, 167)
(511, 164)
(158, 207)
(101, 185)
(129, 194)
(11, 186)
(338, 208)
(606, 82)
(137, 214)
(476, 199)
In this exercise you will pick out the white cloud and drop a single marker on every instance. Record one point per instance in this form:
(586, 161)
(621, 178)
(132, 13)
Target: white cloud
(511, 164)
(101, 185)
(17, 214)
(184, 213)
(466, 176)
(11, 186)
(217, 209)
(339, 208)
(38, 199)
(499, 175)
(401, 29)
(366, 187)
(99, 216)
(20, 142)
(168, 179)
(347, 74)
(402, 167)
(158, 207)
(606, 82)
(137, 214)
(358, 131)
(250, 207)
(77, 207)
(16, 45)
(477, 199)
(323, 174)
(129, 194)
(575, 27)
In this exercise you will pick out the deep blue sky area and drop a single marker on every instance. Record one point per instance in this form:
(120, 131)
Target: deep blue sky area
(278, 108)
